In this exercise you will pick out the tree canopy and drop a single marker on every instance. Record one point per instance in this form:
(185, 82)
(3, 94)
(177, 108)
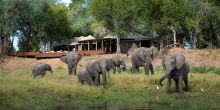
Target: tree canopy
(171, 21)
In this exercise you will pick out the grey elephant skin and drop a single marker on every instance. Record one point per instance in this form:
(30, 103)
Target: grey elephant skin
(40, 69)
(115, 63)
(84, 76)
(176, 68)
(71, 59)
(102, 67)
(144, 57)
(97, 68)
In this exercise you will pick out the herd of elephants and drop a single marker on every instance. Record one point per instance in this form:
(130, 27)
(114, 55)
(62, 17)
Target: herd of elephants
(175, 66)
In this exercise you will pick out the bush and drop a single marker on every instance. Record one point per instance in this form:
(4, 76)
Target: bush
(204, 69)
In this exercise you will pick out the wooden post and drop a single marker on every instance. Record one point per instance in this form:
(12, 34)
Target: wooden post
(102, 45)
(80, 49)
(88, 45)
(110, 48)
(95, 45)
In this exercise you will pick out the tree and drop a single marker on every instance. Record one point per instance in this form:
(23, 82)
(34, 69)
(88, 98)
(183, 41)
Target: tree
(116, 15)
(29, 12)
(200, 16)
(8, 20)
(80, 19)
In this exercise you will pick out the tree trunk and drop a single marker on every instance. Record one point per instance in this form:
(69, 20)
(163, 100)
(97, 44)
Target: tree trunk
(174, 35)
(118, 45)
(29, 42)
(4, 45)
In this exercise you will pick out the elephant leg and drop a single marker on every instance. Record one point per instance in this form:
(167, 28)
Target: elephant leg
(74, 69)
(119, 69)
(114, 70)
(180, 83)
(137, 69)
(151, 69)
(104, 80)
(133, 68)
(186, 84)
(70, 69)
(97, 79)
(168, 84)
(177, 85)
(146, 69)
(108, 75)
(81, 82)
(90, 81)
(43, 74)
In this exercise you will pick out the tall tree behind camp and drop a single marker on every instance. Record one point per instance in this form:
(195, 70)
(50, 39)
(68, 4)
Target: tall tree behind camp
(80, 19)
(55, 23)
(8, 20)
(29, 11)
(200, 17)
(116, 15)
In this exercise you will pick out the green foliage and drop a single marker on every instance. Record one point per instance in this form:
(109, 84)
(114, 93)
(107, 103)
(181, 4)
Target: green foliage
(37, 19)
(116, 15)
(57, 25)
(8, 18)
(80, 20)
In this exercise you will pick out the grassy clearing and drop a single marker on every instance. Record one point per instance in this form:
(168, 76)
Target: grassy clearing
(55, 91)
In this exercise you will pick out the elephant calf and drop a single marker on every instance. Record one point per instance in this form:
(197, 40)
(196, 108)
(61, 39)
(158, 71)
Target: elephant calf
(84, 76)
(40, 69)
(176, 68)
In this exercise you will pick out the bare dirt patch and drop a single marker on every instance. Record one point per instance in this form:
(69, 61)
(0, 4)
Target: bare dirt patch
(204, 57)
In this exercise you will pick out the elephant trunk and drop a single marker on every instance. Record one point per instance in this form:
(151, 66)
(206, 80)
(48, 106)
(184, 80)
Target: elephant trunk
(164, 77)
(123, 66)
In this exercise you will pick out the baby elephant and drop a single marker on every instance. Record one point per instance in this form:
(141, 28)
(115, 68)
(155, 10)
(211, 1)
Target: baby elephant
(84, 76)
(40, 69)
(177, 68)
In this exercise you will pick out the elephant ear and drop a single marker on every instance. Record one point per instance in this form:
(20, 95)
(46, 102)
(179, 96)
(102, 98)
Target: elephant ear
(155, 52)
(142, 53)
(180, 61)
(115, 61)
(63, 59)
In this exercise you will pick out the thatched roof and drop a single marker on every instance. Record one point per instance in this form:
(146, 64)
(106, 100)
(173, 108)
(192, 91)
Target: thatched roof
(82, 38)
(109, 37)
(137, 36)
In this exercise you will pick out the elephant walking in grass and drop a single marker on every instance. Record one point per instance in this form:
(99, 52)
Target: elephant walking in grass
(144, 57)
(84, 76)
(71, 60)
(97, 68)
(40, 69)
(176, 68)
(115, 63)
(102, 67)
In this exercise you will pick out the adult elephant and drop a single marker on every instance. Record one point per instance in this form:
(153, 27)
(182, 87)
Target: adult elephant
(97, 68)
(176, 68)
(144, 57)
(71, 59)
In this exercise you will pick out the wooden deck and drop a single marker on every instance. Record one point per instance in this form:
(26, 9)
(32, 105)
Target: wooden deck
(39, 55)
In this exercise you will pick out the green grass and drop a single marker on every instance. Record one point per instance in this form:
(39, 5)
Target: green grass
(204, 69)
(59, 91)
